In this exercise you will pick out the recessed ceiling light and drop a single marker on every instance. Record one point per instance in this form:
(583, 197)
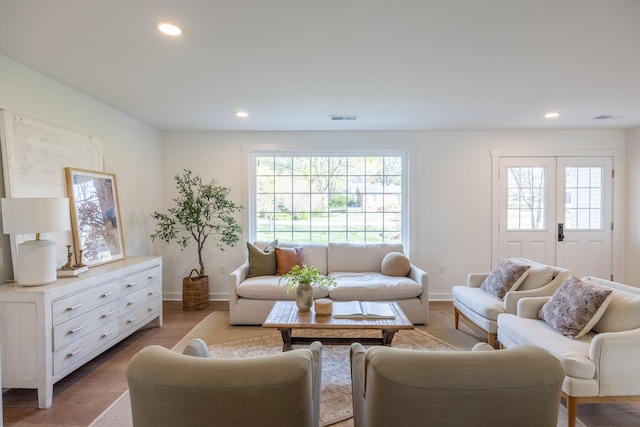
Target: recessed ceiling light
(169, 29)
(242, 114)
(552, 115)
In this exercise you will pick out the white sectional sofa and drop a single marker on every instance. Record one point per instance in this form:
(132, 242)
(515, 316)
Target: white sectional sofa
(357, 270)
(601, 366)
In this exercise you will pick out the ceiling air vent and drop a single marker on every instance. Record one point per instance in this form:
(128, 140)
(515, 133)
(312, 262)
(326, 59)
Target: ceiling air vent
(607, 117)
(344, 117)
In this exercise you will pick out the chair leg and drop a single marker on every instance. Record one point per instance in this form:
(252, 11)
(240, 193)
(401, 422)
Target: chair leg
(572, 410)
(456, 317)
(491, 339)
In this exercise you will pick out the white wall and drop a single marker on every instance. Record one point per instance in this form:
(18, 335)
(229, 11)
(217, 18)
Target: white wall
(451, 189)
(632, 200)
(132, 149)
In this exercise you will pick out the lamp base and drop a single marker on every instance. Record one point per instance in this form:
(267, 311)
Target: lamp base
(36, 263)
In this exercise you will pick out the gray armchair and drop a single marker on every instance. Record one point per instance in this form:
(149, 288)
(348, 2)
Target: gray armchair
(280, 390)
(399, 387)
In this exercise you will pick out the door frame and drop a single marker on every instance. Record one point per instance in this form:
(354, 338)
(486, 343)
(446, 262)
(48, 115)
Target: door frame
(617, 242)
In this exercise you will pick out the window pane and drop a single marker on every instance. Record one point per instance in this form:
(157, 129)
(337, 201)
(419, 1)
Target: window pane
(583, 198)
(325, 198)
(526, 198)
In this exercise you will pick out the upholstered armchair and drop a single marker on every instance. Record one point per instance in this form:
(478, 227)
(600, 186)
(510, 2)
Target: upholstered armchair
(279, 390)
(482, 307)
(399, 387)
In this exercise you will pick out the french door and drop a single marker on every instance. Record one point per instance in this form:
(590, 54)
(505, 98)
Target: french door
(558, 211)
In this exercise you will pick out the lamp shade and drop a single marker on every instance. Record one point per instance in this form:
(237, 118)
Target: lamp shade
(35, 215)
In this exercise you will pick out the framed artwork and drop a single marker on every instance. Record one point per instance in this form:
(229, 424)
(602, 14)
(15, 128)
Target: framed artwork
(95, 216)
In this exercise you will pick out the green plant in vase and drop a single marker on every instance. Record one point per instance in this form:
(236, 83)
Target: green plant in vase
(302, 279)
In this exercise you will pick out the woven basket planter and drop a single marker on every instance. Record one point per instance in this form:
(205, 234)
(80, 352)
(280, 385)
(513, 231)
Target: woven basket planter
(195, 291)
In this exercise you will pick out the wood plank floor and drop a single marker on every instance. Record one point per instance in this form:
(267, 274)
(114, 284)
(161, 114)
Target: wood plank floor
(80, 397)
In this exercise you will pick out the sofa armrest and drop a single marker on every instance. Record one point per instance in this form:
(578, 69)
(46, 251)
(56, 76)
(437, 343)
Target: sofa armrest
(530, 307)
(474, 280)
(236, 277)
(422, 277)
(615, 357)
(512, 297)
(316, 350)
(356, 357)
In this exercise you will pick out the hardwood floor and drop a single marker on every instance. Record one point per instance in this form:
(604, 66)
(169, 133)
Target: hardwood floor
(82, 396)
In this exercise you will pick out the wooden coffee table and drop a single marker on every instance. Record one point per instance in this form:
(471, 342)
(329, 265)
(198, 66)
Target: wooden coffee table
(285, 316)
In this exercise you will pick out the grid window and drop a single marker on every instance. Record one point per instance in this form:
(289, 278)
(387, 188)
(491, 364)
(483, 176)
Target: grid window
(526, 198)
(321, 199)
(583, 194)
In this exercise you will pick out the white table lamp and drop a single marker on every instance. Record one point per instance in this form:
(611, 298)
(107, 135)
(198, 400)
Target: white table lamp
(36, 258)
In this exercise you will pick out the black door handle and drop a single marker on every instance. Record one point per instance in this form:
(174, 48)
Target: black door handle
(560, 232)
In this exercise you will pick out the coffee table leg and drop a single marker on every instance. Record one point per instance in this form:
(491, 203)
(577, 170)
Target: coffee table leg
(286, 338)
(387, 337)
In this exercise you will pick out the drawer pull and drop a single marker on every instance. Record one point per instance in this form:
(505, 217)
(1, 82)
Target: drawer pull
(73, 331)
(152, 292)
(106, 334)
(133, 319)
(73, 307)
(153, 307)
(108, 314)
(74, 352)
(132, 302)
(152, 276)
(131, 285)
(106, 294)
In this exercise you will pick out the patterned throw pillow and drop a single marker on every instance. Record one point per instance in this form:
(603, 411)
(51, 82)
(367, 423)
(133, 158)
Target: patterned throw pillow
(506, 275)
(262, 262)
(287, 258)
(575, 307)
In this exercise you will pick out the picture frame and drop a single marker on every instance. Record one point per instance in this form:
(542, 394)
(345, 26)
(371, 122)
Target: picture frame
(95, 216)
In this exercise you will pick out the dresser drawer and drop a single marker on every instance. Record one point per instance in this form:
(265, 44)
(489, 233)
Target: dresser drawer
(143, 296)
(82, 302)
(81, 348)
(140, 280)
(73, 329)
(141, 315)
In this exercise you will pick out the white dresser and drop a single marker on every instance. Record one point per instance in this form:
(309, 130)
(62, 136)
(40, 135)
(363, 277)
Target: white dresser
(47, 332)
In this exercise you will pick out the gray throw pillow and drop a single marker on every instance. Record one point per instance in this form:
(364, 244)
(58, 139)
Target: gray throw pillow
(506, 275)
(575, 307)
(262, 262)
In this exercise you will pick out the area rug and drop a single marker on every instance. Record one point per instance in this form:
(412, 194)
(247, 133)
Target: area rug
(335, 406)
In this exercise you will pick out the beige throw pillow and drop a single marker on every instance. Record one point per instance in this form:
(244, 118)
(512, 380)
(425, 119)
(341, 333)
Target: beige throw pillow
(575, 307)
(507, 275)
(395, 264)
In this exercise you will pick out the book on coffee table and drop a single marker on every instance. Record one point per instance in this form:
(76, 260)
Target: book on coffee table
(362, 310)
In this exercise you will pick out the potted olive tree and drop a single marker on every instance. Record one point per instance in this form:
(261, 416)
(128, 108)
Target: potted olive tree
(201, 211)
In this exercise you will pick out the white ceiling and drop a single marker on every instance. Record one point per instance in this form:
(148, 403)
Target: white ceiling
(397, 64)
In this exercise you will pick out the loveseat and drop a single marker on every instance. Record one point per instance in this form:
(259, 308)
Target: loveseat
(600, 366)
(482, 307)
(357, 269)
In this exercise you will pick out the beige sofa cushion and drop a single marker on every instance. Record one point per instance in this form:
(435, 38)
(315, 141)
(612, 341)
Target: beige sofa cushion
(348, 257)
(372, 287)
(272, 288)
(573, 354)
(539, 275)
(623, 313)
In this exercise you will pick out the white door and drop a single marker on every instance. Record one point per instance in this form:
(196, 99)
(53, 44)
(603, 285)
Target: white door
(557, 210)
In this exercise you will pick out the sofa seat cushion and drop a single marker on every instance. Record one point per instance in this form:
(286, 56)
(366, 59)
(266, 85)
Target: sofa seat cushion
(372, 286)
(272, 288)
(572, 354)
(479, 301)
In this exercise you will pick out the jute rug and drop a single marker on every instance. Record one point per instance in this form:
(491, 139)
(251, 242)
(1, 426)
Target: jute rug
(335, 406)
